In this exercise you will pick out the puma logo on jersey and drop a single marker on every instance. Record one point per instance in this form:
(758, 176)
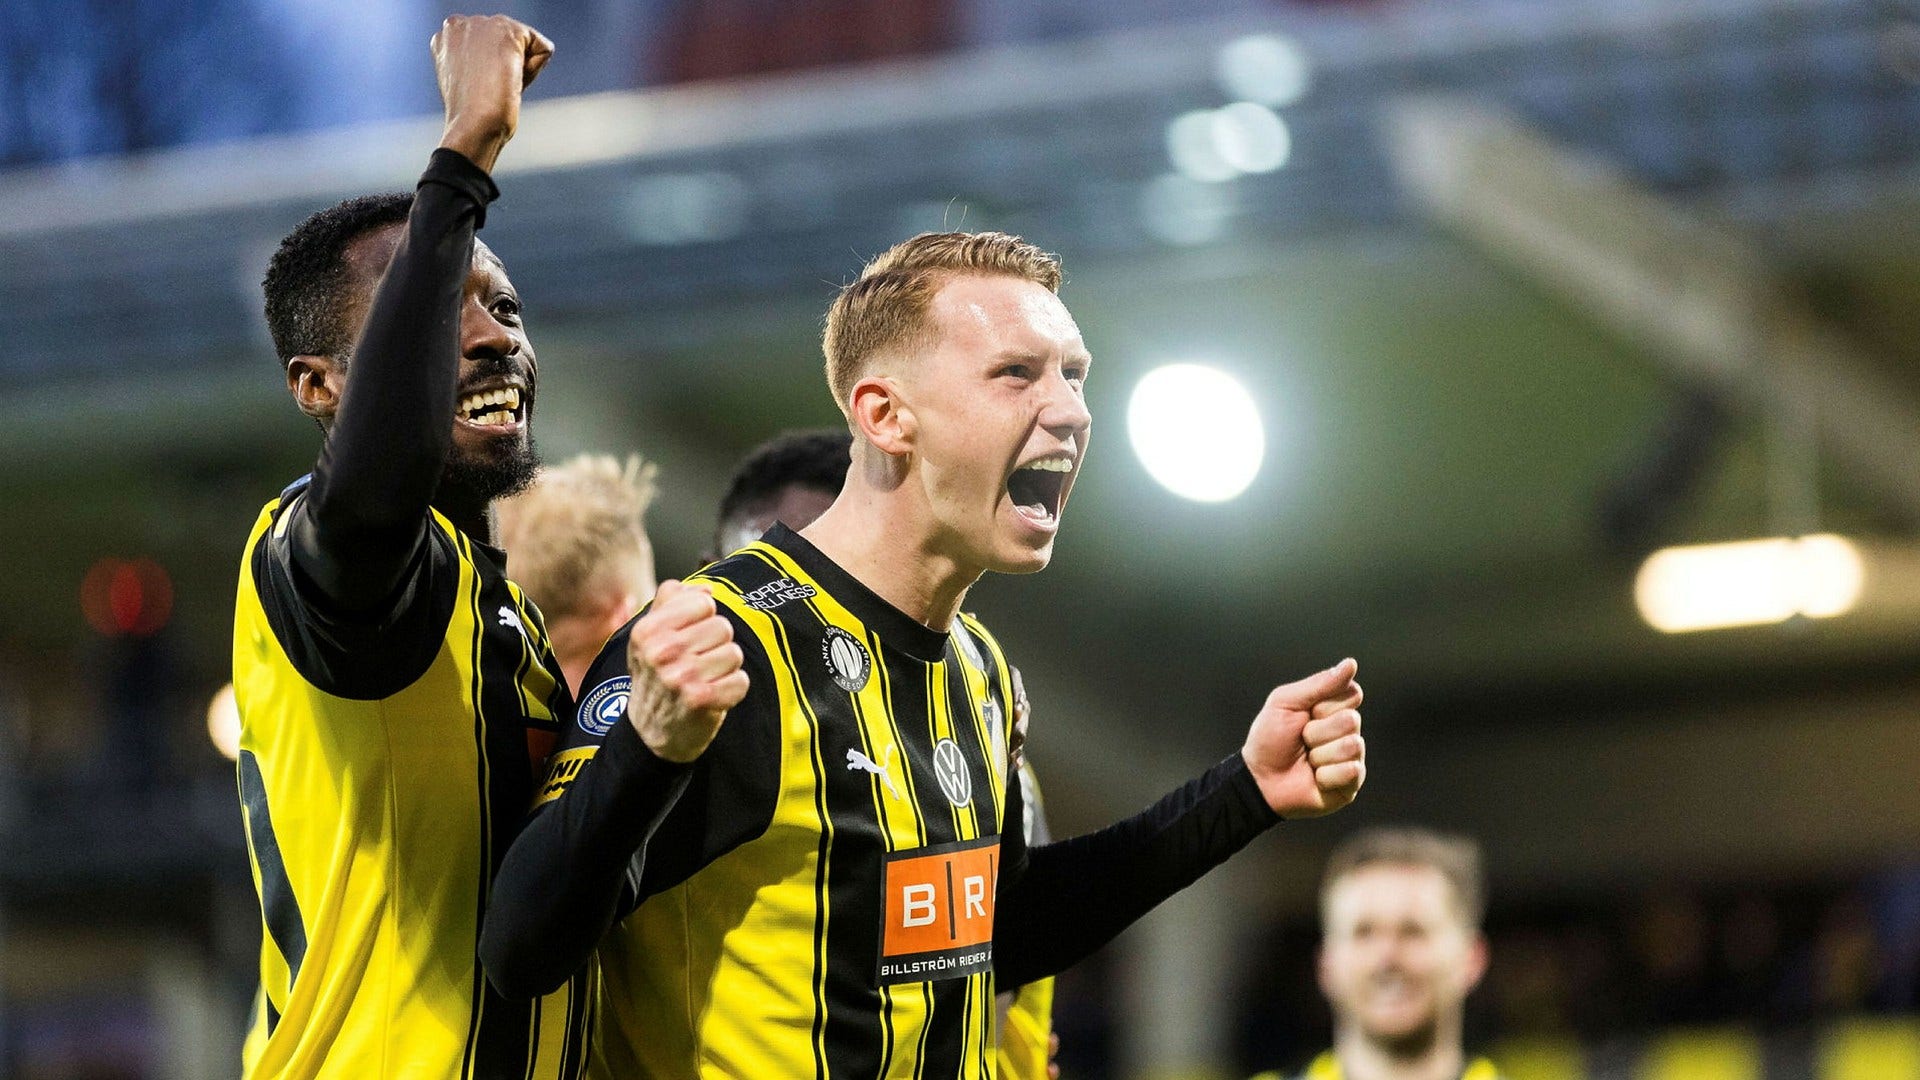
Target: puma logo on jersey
(510, 617)
(858, 760)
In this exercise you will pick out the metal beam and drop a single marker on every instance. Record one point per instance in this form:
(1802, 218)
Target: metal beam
(1695, 295)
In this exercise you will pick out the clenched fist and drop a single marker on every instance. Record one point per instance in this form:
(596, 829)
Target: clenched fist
(1305, 748)
(483, 62)
(686, 672)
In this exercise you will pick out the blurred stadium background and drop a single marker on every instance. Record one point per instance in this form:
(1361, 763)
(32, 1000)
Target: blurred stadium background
(1521, 292)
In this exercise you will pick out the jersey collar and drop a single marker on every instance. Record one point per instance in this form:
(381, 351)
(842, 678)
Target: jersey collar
(896, 628)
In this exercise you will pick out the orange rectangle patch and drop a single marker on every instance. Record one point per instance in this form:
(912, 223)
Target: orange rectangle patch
(939, 912)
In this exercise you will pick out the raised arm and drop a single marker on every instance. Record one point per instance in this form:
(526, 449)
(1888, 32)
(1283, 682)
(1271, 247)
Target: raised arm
(360, 528)
(1304, 757)
(666, 791)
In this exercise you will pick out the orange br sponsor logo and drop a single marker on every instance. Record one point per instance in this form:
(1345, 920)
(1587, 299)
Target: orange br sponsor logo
(939, 912)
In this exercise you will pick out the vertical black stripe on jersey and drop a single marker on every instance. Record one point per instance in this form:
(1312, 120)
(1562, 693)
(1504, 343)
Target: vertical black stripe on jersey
(970, 731)
(279, 909)
(899, 738)
(499, 1040)
(823, 856)
(850, 1000)
(942, 1040)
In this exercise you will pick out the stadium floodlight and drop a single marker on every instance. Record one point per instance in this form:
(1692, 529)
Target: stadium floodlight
(1749, 583)
(1193, 145)
(1197, 431)
(1266, 68)
(1250, 137)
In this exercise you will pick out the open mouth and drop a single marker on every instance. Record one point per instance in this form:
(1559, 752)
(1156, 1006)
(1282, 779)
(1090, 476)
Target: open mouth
(1039, 487)
(501, 407)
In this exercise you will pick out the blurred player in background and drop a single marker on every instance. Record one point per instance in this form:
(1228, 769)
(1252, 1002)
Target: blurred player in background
(1401, 949)
(791, 480)
(387, 673)
(831, 882)
(578, 541)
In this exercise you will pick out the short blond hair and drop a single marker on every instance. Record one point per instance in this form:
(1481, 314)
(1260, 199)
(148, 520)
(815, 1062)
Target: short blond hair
(886, 306)
(1455, 858)
(578, 523)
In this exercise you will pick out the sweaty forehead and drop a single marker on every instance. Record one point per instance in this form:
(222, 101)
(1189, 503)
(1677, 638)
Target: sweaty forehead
(995, 314)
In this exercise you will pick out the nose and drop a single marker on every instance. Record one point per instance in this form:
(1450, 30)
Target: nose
(481, 335)
(1065, 414)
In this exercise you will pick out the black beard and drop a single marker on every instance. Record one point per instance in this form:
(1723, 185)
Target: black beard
(493, 476)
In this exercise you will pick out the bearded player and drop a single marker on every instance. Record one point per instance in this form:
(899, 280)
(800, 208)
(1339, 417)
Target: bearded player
(389, 677)
(1401, 949)
(831, 881)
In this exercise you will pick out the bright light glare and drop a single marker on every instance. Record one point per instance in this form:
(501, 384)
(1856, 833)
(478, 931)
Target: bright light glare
(223, 723)
(1264, 68)
(1749, 583)
(1197, 431)
(1251, 138)
(1180, 210)
(1195, 150)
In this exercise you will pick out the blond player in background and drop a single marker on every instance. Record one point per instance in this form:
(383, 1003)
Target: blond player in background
(1400, 913)
(578, 543)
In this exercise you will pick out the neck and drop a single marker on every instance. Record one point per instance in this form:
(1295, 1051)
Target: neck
(1364, 1058)
(891, 550)
(468, 512)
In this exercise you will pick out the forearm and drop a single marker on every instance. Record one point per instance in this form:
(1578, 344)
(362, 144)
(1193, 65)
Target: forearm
(1076, 895)
(389, 440)
(561, 886)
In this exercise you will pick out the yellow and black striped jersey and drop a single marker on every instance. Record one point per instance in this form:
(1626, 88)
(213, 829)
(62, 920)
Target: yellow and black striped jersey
(383, 769)
(820, 899)
(1026, 1027)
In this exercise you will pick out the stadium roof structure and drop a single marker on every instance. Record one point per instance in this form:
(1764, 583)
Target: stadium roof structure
(1435, 505)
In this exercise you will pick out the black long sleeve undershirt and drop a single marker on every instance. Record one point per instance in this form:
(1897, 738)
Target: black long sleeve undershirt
(576, 868)
(570, 874)
(1064, 900)
(363, 522)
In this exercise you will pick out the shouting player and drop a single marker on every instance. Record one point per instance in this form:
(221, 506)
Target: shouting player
(791, 480)
(830, 881)
(388, 675)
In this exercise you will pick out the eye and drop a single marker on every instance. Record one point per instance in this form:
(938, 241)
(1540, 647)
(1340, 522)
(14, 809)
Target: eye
(507, 309)
(1016, 371)
(1075, 373)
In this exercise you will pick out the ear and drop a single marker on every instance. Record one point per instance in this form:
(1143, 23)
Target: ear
(1322, 972)
(316, 382)
(881, 415)
(1476, 961)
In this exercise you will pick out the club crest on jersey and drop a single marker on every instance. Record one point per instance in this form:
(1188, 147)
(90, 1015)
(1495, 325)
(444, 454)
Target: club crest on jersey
(950, 768)
(773, 594)
(605, 704)
(847, 660)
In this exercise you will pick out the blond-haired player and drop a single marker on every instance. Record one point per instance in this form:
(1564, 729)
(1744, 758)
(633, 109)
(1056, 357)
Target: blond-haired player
(832, 880)
(578, 541)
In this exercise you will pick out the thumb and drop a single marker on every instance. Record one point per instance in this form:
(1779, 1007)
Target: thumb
(1303, 693)
(539, 51)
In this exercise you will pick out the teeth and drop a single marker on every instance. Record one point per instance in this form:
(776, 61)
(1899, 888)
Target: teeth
(510, 397)
(1059, 465)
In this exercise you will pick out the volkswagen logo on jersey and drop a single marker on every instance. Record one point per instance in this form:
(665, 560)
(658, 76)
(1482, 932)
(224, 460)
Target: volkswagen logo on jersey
(950, 768)
(605, 704)
(847, 659)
